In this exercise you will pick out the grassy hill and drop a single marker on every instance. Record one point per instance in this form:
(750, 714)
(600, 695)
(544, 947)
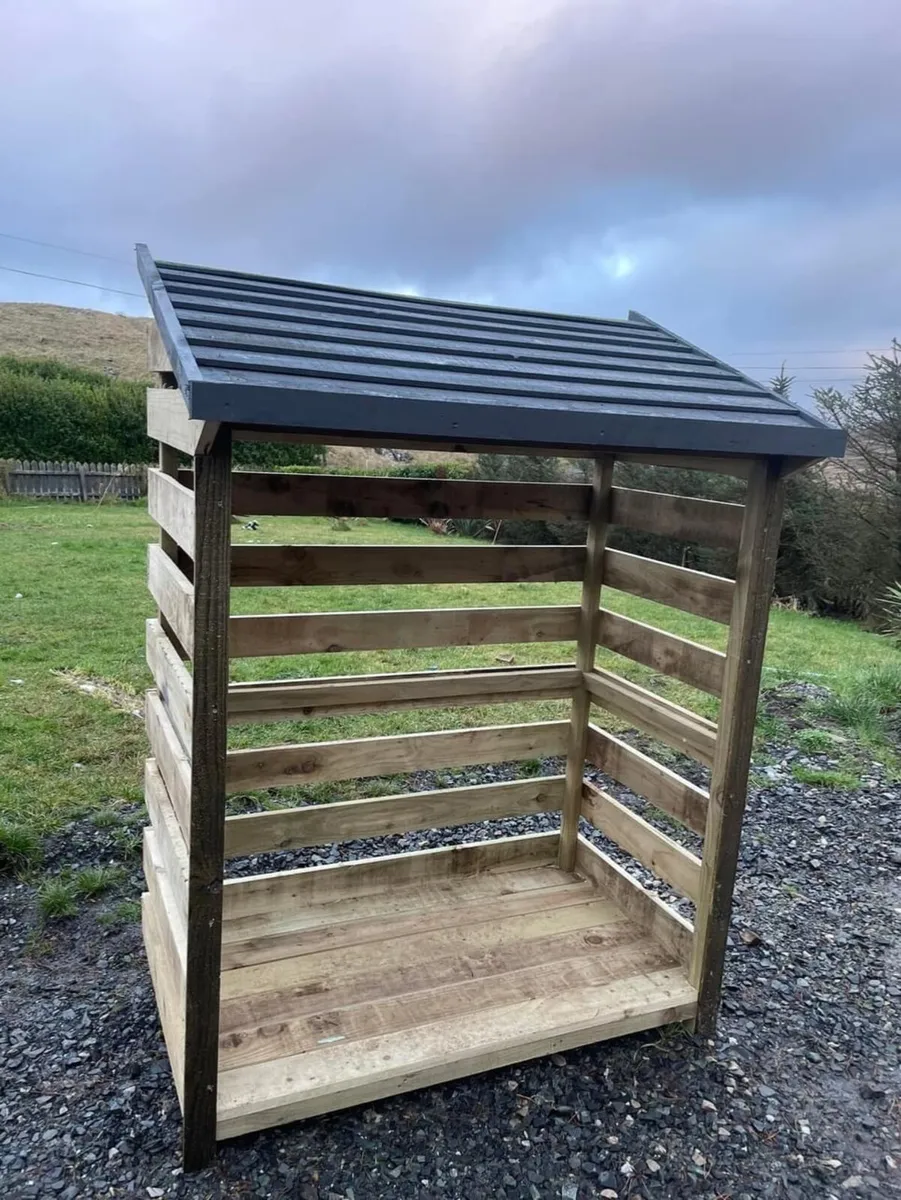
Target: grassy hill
(78, 337)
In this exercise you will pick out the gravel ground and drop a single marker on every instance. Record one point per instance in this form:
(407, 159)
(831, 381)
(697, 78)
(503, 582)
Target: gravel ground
(797, 1098)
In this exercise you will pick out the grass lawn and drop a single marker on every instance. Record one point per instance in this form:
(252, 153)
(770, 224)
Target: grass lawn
(72, 604)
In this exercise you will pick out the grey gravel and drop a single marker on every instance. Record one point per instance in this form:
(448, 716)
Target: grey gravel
(796, 1099)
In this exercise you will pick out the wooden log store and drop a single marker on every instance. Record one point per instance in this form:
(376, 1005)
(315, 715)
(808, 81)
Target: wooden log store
(298, 992)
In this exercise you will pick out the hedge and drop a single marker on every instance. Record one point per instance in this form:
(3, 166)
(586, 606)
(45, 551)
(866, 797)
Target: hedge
(54, 412)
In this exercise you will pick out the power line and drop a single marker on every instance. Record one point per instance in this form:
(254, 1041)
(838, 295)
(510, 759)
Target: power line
(789, 353)
(77, 282)
(15, 237)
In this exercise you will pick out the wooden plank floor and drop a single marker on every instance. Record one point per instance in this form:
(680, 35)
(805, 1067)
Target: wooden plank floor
(352, 998)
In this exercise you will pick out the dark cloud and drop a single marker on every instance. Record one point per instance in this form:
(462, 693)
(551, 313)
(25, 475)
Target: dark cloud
(729, 167)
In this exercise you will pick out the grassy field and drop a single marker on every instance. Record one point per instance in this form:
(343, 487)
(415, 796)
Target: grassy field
(72, 604)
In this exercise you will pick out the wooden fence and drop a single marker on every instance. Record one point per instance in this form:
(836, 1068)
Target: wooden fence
(73, 481)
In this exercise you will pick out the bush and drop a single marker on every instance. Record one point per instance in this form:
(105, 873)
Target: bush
(53, 412)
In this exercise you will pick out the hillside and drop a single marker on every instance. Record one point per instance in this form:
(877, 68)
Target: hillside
(78, 337)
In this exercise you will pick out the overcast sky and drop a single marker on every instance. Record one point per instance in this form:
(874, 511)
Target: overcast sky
(732, 168)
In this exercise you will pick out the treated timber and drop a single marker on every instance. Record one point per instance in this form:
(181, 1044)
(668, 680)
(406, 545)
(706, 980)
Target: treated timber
(174, 595)
(661, 854)
(363, 758)
(595, 561)
(171, 758)
(694, 664)
(649, 912)
(678, 727)
(322, 633)
(164, 942)
(645, 777)
(173, 682)
(710, 522)
(729, 776)
(212, 498)
(296, 566)
(274, 494)
(168, 422)
(171, 505)
(317, 825)
(173, 851)
(678, 587)
(257, 895)
(332, 696)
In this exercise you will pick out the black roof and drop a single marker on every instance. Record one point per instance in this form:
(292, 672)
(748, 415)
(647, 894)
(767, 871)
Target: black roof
(256, 350)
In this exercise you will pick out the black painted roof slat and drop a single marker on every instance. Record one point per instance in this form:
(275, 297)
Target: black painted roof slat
(188, 307)
(394, 301)
(493, 384)
(257, 351)
(395, 353)
(461, 320)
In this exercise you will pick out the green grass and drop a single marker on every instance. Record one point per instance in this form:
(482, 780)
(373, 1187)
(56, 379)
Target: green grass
(57, 898)
(80, 572)
(20, 848)
(840, 780)
(817, 741)
(91, 882)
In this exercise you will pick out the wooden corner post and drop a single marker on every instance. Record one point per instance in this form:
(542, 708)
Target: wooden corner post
(729, 775)
(598, 522)
(212, 529)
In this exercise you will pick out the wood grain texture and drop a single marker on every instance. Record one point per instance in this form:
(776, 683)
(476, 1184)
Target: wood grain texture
(170, 841)
(595, 560)
(174, 595)
(679, 587)
(212, 497)
(164, 943)
(645, 777)
(648, 911)
(678, 727)
(168, 422)
(171, 758)
(729, 776)
(257, 895)
(273, 494)
(171, 505)
(291, 828)
(710, 522)
(322, 633)
(317, 566)
(286, 699)
(173, 682)
(363, 758)
(694, 664)
(661, 854)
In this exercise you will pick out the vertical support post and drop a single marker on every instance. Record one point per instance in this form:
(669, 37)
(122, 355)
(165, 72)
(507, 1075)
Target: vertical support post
(212, 499)
(729, 777)
(598, 523)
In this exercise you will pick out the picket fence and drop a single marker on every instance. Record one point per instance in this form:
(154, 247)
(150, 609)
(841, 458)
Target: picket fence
(74, 481)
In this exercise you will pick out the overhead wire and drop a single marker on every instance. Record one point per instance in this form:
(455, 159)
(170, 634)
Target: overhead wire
(76, 282)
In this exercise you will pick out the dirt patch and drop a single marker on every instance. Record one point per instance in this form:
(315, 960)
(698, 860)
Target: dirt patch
(92, 685)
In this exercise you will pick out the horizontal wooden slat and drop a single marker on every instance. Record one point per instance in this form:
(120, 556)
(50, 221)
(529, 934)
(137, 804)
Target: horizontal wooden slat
(316, 566)
(174, 764)
(654, 916)
(653, 849)
(739, 468)
(173, 851)
(676, 726)
(273, 494)
(656, 783)
(363, 758)
(290, 890)
(291, 828)
(171, 505)
(393, 629)
(287, 699)
(173, 593)
(692, 591)
(174, 683)
(168, 422)
(691, 662)
(710, 522)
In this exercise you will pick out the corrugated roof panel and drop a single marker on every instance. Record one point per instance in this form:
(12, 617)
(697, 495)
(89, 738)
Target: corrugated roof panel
(255, 350)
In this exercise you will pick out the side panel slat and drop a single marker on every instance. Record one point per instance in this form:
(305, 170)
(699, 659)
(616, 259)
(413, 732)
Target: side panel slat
(710, 522)
(173, 593)
(171, 505)
(174, 764)
(691, 591)
(694, 664)
(173, 681)
(676, 726)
